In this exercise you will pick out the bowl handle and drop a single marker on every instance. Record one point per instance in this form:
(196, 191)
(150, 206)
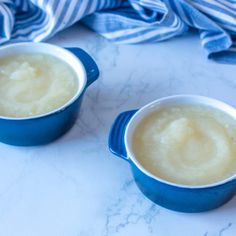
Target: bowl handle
(117, 133)
(88, 62)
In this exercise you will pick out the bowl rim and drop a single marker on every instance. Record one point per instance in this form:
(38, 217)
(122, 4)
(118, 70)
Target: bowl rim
(143, 111)
(52, 47)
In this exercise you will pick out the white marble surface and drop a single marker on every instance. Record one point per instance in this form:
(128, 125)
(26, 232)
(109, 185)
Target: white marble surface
(74, 186)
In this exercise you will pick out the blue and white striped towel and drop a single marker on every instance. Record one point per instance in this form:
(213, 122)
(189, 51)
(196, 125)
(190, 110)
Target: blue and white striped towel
(125, 21)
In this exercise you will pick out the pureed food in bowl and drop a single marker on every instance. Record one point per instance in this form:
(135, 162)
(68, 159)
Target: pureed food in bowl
(187, 144)
(34, 84)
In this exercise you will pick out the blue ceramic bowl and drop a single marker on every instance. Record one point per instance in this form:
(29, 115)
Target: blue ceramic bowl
(43, 129)
(173, 196)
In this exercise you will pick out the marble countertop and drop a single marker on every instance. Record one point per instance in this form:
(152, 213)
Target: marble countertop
(75, 186)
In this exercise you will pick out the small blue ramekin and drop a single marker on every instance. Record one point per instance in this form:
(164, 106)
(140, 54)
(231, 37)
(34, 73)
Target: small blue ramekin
(184, 198)
(45, 128)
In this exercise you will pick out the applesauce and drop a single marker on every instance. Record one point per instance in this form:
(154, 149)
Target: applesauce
(34, 84)
(190, 145)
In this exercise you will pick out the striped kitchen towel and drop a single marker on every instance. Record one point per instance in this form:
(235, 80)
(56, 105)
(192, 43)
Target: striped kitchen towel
(125, 21)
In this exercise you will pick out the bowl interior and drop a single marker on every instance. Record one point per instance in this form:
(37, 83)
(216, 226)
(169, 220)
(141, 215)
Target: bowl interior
(58, 52)
(167, 102)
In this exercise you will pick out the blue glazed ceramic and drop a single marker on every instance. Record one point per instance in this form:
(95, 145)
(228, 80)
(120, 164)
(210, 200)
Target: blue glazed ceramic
(176, 197)
(43, 129)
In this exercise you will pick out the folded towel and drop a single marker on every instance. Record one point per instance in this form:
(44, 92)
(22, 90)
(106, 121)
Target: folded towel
(125, 21)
